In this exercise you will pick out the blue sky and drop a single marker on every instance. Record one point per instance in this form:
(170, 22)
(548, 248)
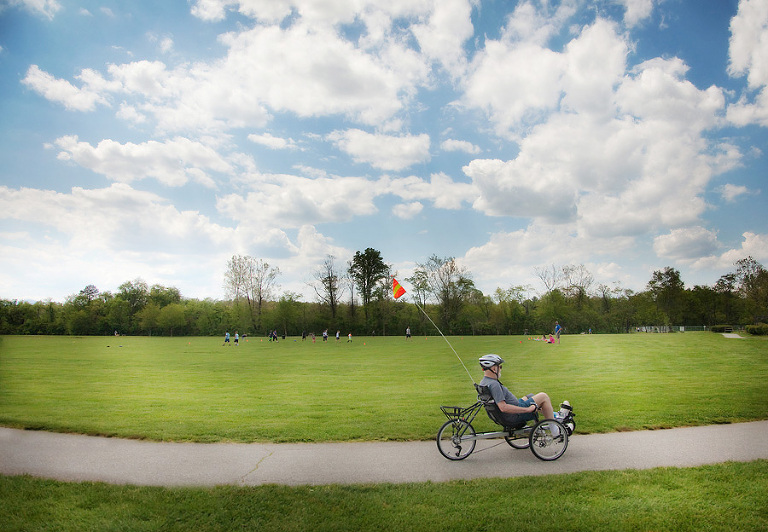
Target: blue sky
(154, 140)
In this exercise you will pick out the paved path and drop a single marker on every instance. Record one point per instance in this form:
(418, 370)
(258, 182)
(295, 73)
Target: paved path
(71, 457)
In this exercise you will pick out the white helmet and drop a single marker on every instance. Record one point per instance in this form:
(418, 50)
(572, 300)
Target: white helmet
(488, 361)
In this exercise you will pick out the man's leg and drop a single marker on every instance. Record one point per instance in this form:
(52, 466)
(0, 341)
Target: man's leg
(545, 404)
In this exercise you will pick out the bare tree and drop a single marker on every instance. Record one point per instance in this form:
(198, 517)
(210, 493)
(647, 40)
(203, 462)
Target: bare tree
(550, 276)
(577, 281)
(328, 286)
(449, 283)
(250, 279)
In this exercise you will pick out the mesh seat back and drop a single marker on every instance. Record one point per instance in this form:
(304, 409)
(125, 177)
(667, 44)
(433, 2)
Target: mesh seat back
(492, 409)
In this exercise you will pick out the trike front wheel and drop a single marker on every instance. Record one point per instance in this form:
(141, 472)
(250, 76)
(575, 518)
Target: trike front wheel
(452, 439)
(549, 440)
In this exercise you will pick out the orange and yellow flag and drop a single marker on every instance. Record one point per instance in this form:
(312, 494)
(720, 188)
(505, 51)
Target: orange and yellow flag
(397, 290)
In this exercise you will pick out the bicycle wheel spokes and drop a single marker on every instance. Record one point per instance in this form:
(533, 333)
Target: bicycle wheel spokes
(549, 440)
(452, 442)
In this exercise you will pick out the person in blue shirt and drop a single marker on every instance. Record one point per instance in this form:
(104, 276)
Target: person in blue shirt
(558, 330)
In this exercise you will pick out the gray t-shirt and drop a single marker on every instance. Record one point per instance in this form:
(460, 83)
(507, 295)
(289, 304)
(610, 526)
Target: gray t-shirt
(499, 392)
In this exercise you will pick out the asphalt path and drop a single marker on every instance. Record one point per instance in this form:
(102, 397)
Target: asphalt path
(72, 457)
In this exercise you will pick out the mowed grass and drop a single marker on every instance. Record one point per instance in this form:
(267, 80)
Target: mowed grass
(382, 388)
(724, 497)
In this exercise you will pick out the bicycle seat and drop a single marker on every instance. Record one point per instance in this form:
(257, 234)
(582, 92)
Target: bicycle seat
(492, 409)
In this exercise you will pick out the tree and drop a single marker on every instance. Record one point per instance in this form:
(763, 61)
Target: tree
(752, 279)
(550, 277)
(171, 317)
(367, 269)
(287, 312)
(449, 283)
(726, 290)
(577, 281)
(163, 296)
(327, 286)
(89, 293)
(252, 280)
(667, 290)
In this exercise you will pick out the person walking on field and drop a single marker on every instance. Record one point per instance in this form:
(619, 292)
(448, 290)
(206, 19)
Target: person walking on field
(558, 330)
(226, 339)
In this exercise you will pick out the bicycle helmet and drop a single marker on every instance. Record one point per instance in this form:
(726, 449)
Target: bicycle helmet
(490, 360)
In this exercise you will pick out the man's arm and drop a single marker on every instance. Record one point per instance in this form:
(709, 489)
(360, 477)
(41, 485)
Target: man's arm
(514, 409)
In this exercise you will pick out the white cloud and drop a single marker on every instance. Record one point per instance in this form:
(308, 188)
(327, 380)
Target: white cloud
(62, 91)
(442, 37)
(748, 50)
(748, 55)
(407, 211)
(46, 8)
(303, 69)
(459, 145)
(636, 10)
(272, 142)
(174, 162)
(621, 152)
(730, 192)
(511, 257)
(386, 152)
(686, 244)
(754, 245)
(441, 190)
(288, 201)
(118, 218)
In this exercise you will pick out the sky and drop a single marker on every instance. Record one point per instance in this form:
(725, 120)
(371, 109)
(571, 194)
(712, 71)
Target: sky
(155, 140)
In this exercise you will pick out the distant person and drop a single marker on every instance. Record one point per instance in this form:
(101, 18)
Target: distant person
(558, 330)
(350, 337)
(408, 333)
(325, 335)
(337, 335)
(237, 339)
(226, 339)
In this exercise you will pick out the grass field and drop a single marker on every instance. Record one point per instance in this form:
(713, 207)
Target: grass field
(194, 389)
(723, 497)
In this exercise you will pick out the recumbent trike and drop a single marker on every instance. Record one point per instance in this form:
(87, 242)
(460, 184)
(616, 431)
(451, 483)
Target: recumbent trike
(456, 439)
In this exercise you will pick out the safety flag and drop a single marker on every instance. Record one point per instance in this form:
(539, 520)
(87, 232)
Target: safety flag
(397, 290)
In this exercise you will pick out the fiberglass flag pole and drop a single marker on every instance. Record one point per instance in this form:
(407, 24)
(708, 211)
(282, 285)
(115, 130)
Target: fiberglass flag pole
(397, 291)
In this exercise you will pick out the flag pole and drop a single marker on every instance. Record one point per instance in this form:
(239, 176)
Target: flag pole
(397, 291)
(446, 341)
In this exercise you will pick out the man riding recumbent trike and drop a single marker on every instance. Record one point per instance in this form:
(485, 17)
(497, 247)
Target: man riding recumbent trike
(518, 418)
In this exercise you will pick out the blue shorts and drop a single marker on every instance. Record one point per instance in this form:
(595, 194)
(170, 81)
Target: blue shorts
(514, 419)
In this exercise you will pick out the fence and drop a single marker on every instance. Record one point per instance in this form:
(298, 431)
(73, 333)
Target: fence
(671, 328)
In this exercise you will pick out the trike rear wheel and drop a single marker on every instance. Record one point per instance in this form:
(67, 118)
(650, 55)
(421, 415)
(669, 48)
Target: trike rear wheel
(451, 442)
(522, 442)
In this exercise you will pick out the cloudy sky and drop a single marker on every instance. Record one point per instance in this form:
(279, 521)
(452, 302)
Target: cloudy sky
(154, 140)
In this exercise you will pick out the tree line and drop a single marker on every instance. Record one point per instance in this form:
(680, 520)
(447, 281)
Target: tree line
(356, 297)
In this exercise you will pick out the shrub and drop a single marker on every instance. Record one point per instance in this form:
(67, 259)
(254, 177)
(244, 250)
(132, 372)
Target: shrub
(761, 329)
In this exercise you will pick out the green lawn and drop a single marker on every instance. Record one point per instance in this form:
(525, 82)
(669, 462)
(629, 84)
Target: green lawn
(719, 497)
(193, 389)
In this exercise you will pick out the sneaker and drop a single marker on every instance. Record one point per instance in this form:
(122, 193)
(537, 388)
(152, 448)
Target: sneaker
(565, 409)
